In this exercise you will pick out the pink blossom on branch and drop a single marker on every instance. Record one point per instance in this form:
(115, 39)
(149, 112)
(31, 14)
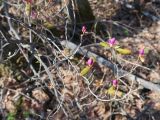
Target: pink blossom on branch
(115, 83)
(90, 62)
(112, 42)
(141, 52)
(141, 55)
(84, 29)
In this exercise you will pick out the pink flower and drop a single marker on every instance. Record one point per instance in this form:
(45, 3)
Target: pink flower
(112, 42)
(84, 29)
(90, 62)
(141, 52)
(141, 55)
(115, 83)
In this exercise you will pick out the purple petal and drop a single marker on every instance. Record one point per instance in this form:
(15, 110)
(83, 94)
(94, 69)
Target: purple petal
(90, 61)
(84, 29)
(112, 41)
(115, 83)
(141, 51)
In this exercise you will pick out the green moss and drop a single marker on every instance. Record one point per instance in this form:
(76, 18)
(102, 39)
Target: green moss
(26, 114)
(11, 116)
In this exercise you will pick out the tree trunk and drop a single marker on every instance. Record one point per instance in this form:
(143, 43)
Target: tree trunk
(79, 11)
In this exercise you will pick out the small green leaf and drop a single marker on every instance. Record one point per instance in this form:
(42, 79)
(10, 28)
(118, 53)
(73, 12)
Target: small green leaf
(104, 44)
(117, 46)
(28, 9)
(146, 50)
(110, 91)
(85, 70)
(123, 51)
(48, 25)
(126, 32)
(26, 114)
(11, 116)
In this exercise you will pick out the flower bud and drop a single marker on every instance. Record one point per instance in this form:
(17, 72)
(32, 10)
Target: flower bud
(115, 83)
(84, 29)
(112, 41)
(90, 62)
(141, 52)
(141, 55)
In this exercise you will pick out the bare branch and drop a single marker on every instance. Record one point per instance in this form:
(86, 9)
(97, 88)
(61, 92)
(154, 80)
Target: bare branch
(101, 60)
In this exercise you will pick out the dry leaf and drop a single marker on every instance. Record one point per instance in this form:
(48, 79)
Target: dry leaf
(154, 77)
(10, 106)
(67, 94)
(8, 103)
(102, 110)
(139, 104)
(155, 97)
(142, 59)
(40, 95)
(98, 83)
(36, 106)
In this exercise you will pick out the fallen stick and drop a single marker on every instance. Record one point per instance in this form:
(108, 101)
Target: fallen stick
(101, 60)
